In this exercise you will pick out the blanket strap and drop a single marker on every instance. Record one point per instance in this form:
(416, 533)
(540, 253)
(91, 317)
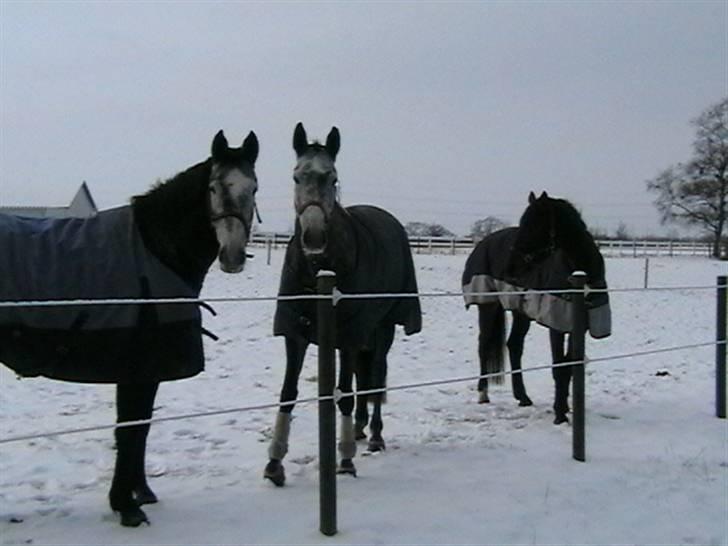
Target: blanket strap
(209, 334)
(208, 307)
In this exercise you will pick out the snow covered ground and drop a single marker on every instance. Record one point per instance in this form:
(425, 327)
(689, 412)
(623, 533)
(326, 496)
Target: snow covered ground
(455, 472)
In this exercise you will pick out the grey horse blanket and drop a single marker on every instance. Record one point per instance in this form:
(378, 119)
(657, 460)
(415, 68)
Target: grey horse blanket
(485, 272)
(102, 257)
(383, 264)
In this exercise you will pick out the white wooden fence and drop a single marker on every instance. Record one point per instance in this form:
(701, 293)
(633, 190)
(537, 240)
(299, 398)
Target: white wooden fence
(454, 245)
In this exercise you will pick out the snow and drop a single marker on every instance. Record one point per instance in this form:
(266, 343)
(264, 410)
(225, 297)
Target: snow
(454, 472)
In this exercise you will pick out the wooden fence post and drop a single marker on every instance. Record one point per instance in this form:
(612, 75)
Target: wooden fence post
(327, 408)
(720, 349)
(576, 342)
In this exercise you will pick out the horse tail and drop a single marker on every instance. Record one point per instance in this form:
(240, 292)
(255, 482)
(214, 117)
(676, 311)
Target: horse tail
(492, 342)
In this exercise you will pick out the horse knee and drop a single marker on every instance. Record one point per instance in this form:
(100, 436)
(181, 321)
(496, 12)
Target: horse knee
(346, 404)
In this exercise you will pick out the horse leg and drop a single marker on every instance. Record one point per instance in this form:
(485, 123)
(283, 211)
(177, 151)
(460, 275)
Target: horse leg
(347, 443)
(376, 442)
(295, 352)
(519, 329)
(362, 414)
(491, 323)
(384, 336)
(362, 372)
(143, 494)
(129, 398)
(562, 377)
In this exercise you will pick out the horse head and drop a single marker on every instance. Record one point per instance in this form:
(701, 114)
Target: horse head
(315, 191)
(536, 238)
(232, 189)
(549, 224)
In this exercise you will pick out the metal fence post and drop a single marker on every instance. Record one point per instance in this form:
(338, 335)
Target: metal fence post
(576, 343)
(720, 349)
(327, 408)
(647, 271)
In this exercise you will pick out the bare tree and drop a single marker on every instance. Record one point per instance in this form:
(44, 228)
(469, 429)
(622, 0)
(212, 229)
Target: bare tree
(422, 229)
(486, 226)
(696, 193)
(622, 233)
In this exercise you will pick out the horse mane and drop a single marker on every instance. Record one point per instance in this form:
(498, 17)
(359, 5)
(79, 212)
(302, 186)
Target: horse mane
(176, 193)
(579, 238)
(173, 221)
(569, 215)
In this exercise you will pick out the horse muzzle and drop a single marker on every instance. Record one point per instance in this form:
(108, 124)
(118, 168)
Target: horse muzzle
(232, 236)
(313, 224)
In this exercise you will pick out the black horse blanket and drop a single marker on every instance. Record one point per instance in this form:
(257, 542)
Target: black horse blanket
(102, 257)
(485, 272)
(383, 264)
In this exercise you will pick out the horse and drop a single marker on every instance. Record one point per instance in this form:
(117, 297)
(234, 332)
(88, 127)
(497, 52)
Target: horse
(550, 242)
(368, 250)
(161, 245)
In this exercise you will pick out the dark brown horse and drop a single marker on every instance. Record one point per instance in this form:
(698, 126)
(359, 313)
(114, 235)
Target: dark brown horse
(550, 243)
(368, 250)
(160, 247)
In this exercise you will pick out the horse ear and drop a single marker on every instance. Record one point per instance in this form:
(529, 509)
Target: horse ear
(300, 140)
(544, 195)
(531, 198)
(219, 146)
(333, 142)
(250, 147)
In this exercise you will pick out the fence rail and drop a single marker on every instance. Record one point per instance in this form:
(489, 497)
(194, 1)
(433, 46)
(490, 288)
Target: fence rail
(454, 245)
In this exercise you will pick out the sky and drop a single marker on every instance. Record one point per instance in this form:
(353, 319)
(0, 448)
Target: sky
(449, 111)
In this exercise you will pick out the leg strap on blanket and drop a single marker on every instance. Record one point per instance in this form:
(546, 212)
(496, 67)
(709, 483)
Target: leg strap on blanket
(279, 443)
(347, 445)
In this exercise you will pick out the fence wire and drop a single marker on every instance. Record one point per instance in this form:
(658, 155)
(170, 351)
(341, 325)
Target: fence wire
(335, 297)
(338, 395)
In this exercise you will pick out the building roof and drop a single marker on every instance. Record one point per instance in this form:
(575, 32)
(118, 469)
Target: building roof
(82, 206)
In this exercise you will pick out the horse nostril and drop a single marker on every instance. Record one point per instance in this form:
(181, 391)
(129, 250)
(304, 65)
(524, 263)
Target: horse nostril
(232, 260)
(314, 239)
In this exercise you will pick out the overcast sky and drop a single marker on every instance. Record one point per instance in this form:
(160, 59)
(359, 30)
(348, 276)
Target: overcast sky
(448, 112)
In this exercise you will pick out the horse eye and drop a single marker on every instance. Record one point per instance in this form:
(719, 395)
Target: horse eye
(213, 190)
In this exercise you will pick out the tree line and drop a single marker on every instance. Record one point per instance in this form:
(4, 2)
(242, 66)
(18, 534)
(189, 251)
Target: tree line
(690, 193)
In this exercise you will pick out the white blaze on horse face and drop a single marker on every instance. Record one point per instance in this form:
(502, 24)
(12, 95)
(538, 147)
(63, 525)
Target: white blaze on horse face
(314, 198)
(232, 205)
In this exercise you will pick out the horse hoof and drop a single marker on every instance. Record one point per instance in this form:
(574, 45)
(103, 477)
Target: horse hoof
(133, 517)
(559, 419)
(376, 445)
(346, 467)
(524, 402)
(274, 472)
(483, 398)
(144, 495)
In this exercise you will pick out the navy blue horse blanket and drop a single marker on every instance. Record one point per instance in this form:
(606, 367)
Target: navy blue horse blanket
(485, 271)
(382, 264)
(102, 257)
